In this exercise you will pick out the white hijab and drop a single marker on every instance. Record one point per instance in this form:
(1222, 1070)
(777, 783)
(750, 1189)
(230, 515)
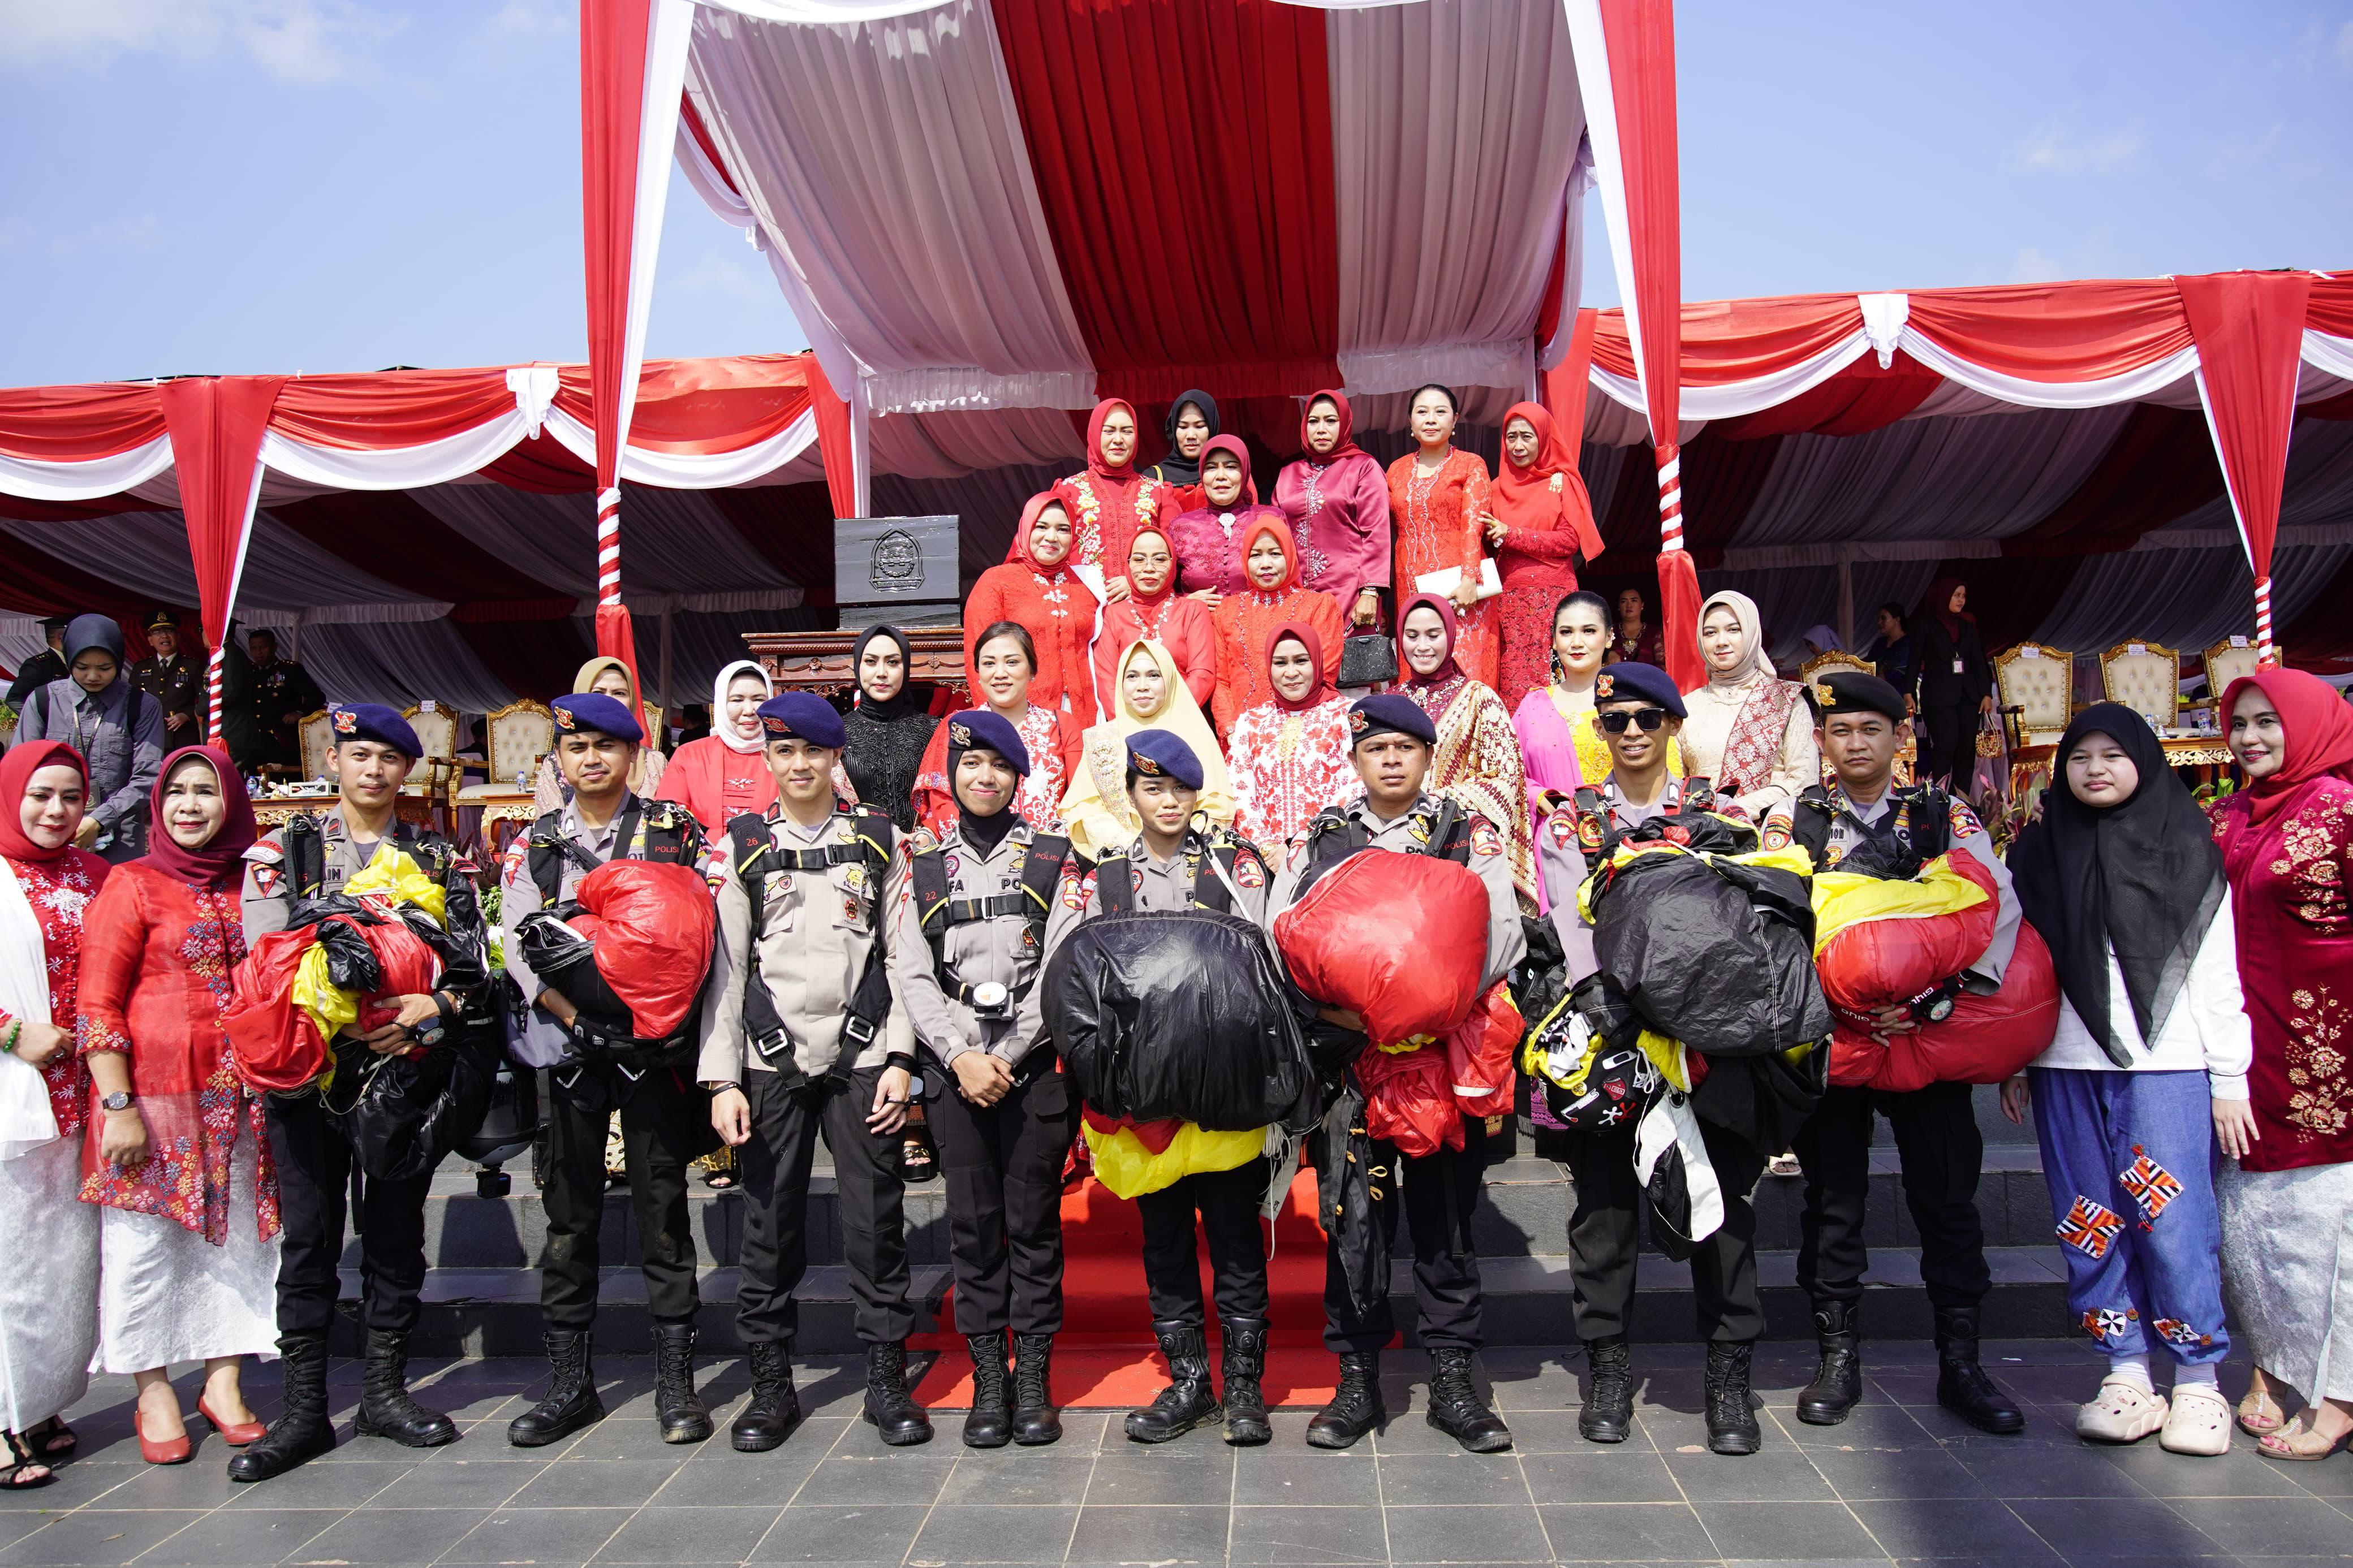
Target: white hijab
(1752, 663)
(719, 725)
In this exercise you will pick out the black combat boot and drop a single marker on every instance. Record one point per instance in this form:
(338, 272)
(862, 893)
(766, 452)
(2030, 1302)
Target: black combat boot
(1731, 1424)
(1838, 1381)
(1455, 1407)
(683, 1416)
(1355, 1408)
(1189, 1400)
(990, 1424)
(1246, 1423)
(890, 1408)
(1608, 1412)
(386, 1409)
(1962, 1385)
(301, 1431)
(769, 1417)
(1035, 1422)
(572, 1400)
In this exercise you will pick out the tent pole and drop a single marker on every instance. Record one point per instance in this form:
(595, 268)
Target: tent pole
(1846, 601)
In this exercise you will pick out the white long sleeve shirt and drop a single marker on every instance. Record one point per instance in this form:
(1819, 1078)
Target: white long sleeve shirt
(2208, 1027)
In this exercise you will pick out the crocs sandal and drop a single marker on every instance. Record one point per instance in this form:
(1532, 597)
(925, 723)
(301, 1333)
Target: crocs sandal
(2199, 1424)
(2122, 1412)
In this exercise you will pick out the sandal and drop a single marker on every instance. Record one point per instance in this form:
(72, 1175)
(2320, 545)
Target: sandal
(20, 1476)
(53, 1439)
(2299, 1442)
(917, 1161)
(2259, 1414)
(719, 1181)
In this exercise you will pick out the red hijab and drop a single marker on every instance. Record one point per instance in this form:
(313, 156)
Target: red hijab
(1095, 464)
(2319, 726)
(1345, 445)
(1304, 635)
(1249, 486)
(1019, 554)
(1274, 524)
(17, 771)
(220, 861)
(1446, 669)
(1938, 602)
(1137, 596)
(1526, 496)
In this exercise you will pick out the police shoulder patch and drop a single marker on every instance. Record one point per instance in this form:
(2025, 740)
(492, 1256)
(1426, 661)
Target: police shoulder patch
(1777, 831)
(266, 879)
(1963, 822)
(1250, 871)
(1562, 827)
(1484, 839)
(1076, 889)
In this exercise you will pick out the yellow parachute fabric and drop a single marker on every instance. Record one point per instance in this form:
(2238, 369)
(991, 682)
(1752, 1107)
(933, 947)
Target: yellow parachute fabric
(392, 876)
(1126, 1166)
(1844, 898)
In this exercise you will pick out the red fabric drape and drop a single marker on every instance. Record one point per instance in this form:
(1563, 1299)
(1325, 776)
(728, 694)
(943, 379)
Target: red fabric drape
(1183, 153)
(613, 35)
(216, 424)
(390, 408)
(2074, 332)
(78, 424)
(1860, 399)
(1728, 340)
(699, 405)
(1564, 387)
(2248, 327)
(833, 439)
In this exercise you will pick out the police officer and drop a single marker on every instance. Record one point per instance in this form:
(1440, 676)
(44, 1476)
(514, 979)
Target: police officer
(46, 666)
(171, 681)
(664, 1113)
(1639, 712)
(374, 751)
(967, 918)
(1861, 823)
(281, 693)
(799, 1038)
(1172, 865)
(1391, 740)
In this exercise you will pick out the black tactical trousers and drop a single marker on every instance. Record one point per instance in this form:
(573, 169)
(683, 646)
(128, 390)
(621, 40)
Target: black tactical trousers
(774, 1169)
(1937, 1136)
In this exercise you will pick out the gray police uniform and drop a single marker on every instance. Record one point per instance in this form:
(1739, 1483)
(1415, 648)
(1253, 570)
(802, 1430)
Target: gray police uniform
(665, 1117)
(308, 1145)
(1605, 1229)
(1445, 1275)
(817, 931)
(1003, 1163)
(1226, 1201)
(1936, 1127)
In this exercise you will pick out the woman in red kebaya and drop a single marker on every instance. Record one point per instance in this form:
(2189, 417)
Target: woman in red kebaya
(1154, 611)
(1037, 590)
(1540, 523)
(1437, 495)
(1209, 539)
(1111, 500)
(1289, 756)
(725, 774)
(1004, 664)
(1246, 619)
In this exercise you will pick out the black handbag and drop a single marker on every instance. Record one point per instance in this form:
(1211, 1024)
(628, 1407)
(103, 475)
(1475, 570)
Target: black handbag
(1368, 658)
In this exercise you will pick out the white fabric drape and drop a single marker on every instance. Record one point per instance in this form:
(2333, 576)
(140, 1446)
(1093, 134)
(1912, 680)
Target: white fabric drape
(147, 553)
(682, 470)
(885, 161)
(1441, 277)
(2328, 353)
(40, 480)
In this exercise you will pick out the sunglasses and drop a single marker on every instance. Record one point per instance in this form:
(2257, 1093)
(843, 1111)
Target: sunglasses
(1614, 722)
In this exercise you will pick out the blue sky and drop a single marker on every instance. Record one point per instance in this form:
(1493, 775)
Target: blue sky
(248, 185)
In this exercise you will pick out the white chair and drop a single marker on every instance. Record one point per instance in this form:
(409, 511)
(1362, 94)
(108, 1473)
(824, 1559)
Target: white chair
(2227, 661)
(2146, 677)
(2037, 684)
(521, 734)
(317, 738)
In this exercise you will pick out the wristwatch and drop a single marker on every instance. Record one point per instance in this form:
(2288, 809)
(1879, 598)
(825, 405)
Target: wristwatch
(120, 1099)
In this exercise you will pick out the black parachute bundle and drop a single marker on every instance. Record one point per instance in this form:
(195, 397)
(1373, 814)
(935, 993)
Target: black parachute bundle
(1178, 1014)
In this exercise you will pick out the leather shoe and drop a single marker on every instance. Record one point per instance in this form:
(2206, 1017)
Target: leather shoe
(170, 1451)
(236, 1433)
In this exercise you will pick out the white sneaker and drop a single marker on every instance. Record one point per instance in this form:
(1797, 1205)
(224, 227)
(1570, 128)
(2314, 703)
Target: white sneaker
(2200, 1422)
(2124, 1413)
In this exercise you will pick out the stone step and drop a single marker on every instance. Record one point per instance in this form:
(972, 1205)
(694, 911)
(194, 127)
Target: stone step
(495, 1311)
(1524, 1214)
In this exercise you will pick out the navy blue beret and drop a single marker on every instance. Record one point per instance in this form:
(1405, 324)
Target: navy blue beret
(1853, 691)
(1159, 754)
(586, 712)
(1632, 682)
(1389, 713)
(978, 729)
(374, 721)
(802, 715)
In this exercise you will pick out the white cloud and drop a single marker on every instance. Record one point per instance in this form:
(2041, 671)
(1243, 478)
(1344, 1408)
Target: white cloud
(305, 42)
(2030, 266)
(2052, 150)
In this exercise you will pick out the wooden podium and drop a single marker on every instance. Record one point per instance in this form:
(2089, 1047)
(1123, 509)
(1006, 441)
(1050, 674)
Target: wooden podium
(819, 661)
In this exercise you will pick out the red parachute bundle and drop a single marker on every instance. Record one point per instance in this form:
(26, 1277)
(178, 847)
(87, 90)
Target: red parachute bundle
(652, 924)
(1478, 1055)
(1409, 1100)
(274, 1037)
(1399, 940)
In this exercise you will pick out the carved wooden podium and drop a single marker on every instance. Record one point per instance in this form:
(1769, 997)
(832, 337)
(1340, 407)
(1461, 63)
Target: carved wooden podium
(819, 661)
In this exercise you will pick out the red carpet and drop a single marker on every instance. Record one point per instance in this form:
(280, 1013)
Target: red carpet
(1105, 1359)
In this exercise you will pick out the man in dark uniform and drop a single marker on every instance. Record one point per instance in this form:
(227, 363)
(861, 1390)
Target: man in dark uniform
(1862, 824)
(172, 682)
(44, 667)
(1640, 712)
(1391, 742)
(311, 856)
(1173, 865)
(665, 1115)
(282, 692)
(799, 1038)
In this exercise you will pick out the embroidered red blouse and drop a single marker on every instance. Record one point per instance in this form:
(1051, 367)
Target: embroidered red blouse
(60, 891)
(157, 960)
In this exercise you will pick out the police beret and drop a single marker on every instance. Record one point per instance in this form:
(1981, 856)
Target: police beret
(374, 721)
(1389, 714)
(162, 621)
(594, 712)
(1158, 754)
(802, 715)
(978, 729)
(1632, 682)
(1853, 691)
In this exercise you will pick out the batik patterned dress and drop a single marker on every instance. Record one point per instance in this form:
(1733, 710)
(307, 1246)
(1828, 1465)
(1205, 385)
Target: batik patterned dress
(1437, 517)
(1287, 766)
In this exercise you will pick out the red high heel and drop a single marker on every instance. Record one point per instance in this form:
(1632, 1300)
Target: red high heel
(236, 1433)
(174, 1452)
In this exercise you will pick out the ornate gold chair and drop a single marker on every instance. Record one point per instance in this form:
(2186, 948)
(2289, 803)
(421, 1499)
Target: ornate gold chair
(436, 724)
(315, 737)
(2037, 683)
(2227, 661)
(2146, 677)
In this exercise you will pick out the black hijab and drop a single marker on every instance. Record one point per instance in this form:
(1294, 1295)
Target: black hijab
(983, 833)
(906, 704)
(2142, 877)
(1177, 469)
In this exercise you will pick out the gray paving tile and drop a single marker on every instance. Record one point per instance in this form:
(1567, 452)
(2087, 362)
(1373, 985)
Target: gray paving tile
(721, 1478)
(1626, 1531)
(2240, 1473)
(316, 1485)
(2010, 1471)
(1287, 1535)
(995, 1532)
(830, 1532)
(234, 1538)
(1301, 1477)
(896, 1477)
(1452, 1477)
(2080, 1526)
(391, 1536)
(701, 1534)
(592, 1483)
(1950, 1527)
(193, 1485)
(1787, 1529)
(1483, 1534)
(94, 1536)
(1167, 1533)
(1882, 1473)
(1867, 1427)
(477, 1484)
(1596, 1473)
(1170, 1474)
(2273, 1527)
(78, 1483)
(1018, 1476)
(1786, 1475)
(538, 1535)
